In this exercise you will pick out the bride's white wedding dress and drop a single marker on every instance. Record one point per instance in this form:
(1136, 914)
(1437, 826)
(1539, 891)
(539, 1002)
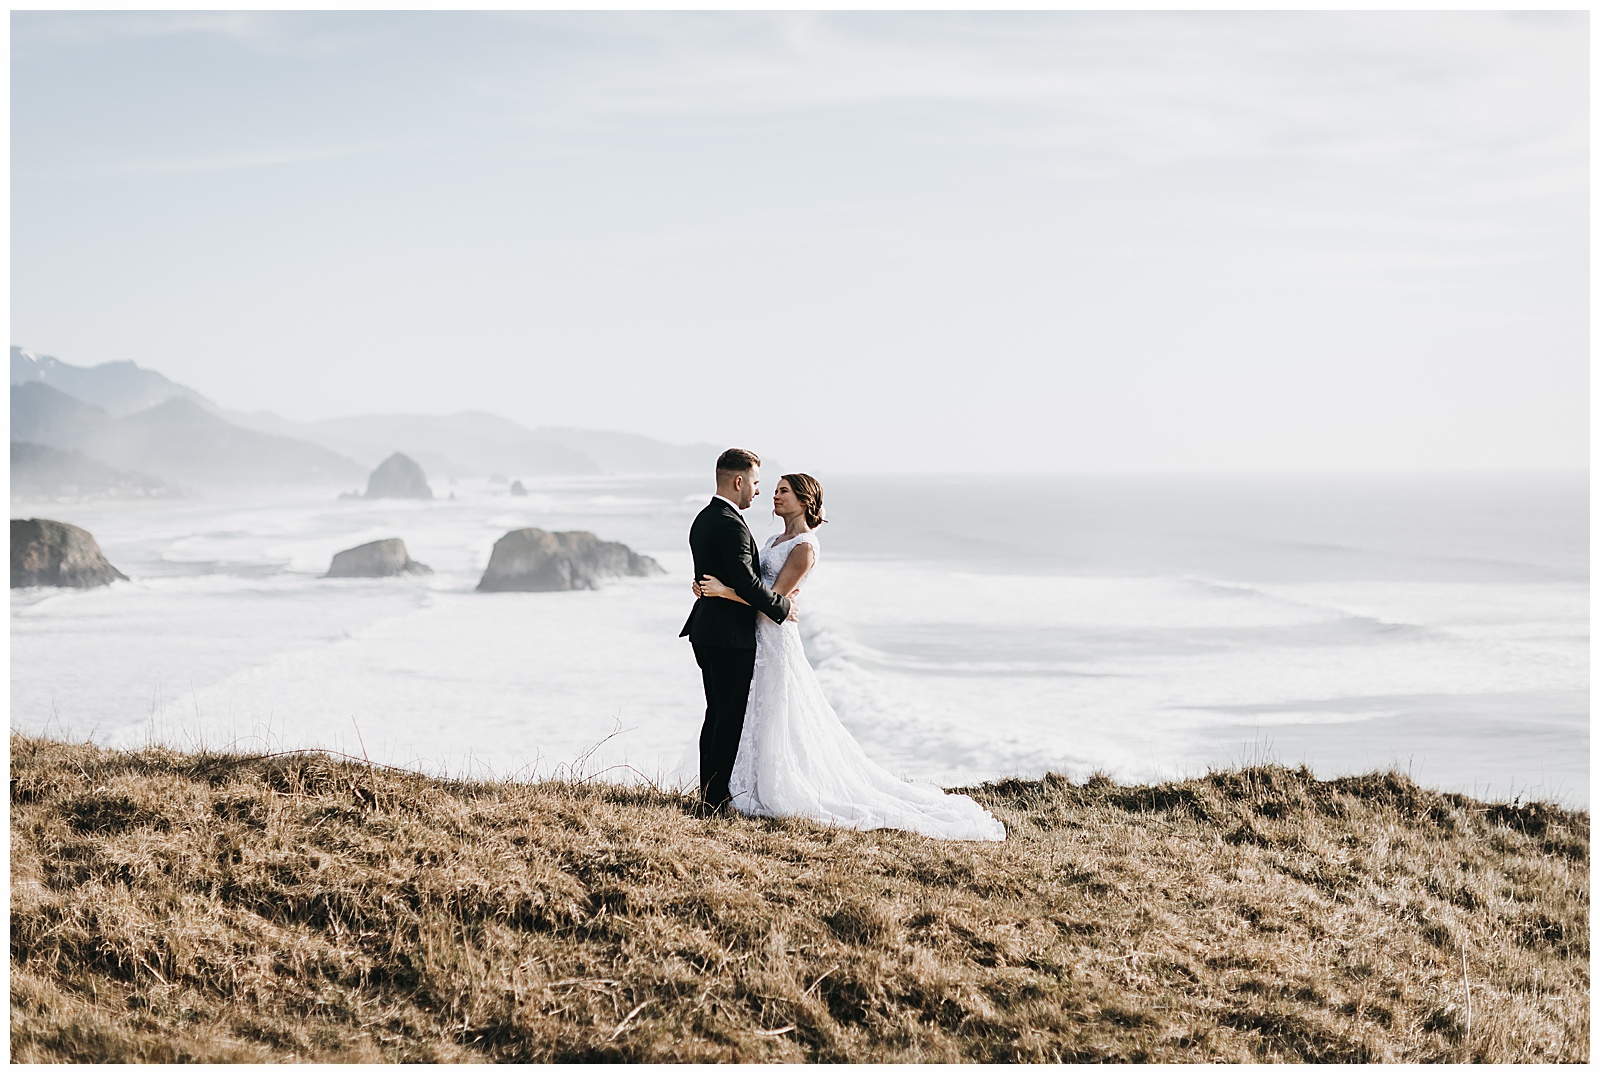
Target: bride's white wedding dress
(796, 759)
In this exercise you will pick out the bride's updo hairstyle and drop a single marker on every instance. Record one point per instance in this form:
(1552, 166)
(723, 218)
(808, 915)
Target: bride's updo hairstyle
(808, 490)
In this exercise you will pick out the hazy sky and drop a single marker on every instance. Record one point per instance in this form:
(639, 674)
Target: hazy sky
(1059, 241)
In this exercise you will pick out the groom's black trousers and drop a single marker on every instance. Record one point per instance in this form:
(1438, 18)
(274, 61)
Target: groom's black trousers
(726, 672)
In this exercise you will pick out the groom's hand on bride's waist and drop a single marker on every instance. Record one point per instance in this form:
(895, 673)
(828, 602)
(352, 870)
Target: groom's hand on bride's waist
(794, 607)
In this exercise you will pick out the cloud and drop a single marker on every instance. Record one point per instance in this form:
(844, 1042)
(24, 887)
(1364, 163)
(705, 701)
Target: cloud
(231, 162)
(1184, 197)
(99, 27)
(282, 33)
(1450, 90)
(1456, 90)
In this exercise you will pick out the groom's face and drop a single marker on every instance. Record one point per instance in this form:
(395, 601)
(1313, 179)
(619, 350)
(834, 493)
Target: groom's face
(752, 487)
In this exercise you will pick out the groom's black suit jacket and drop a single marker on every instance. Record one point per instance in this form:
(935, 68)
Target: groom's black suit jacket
(722, 546)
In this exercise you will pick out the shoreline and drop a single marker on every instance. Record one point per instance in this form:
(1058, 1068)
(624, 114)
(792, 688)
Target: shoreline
(1151, 647)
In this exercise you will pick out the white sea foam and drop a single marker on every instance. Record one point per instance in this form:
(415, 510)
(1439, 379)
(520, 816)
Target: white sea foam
(952, 658)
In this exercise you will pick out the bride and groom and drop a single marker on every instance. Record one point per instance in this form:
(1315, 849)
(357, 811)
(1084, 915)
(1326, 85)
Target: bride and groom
(771, 745)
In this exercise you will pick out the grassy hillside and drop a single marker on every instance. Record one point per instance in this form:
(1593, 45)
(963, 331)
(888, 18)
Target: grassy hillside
(210, 907)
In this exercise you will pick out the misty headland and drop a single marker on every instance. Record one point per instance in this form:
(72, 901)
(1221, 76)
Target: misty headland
(135, 421)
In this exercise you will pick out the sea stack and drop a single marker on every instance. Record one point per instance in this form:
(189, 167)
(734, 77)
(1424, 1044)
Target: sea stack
(533, 561)
(44, 552)
(398, 478)
(376, 559)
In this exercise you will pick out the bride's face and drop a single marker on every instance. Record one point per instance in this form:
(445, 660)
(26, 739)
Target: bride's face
(784, 503)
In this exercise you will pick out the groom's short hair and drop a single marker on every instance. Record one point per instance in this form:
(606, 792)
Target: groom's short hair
(736, 460)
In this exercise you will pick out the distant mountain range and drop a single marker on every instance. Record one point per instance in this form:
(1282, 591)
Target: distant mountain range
(118, 388)
(475, 444)
(469, 444)
(177, 440)
(37, 470)
(121, 416)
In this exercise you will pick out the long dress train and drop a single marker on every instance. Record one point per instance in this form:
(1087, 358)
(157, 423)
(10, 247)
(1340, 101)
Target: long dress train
(797, 760)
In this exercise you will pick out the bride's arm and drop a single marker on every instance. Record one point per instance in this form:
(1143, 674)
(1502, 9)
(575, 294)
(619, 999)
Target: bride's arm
(801, 557)
(794, 569)
(711, 586)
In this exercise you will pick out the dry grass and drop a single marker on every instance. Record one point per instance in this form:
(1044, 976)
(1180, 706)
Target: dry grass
(190, 907)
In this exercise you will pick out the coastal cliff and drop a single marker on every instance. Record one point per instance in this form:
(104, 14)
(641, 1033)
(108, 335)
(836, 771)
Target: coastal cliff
(225, 907)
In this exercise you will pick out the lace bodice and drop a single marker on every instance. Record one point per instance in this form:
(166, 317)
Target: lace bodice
(775, 553)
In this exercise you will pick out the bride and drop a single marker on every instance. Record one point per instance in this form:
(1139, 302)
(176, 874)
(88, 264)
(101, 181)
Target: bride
(795, 758)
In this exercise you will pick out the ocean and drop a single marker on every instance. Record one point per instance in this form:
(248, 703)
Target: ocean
(964, 628)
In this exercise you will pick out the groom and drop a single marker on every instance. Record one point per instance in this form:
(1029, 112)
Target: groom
(723, 632)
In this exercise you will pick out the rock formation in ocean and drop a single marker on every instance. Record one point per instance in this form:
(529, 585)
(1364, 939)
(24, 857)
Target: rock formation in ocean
(398, 478)
(517, 489)
(376, 559)
(533, 561)
(44, 552)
